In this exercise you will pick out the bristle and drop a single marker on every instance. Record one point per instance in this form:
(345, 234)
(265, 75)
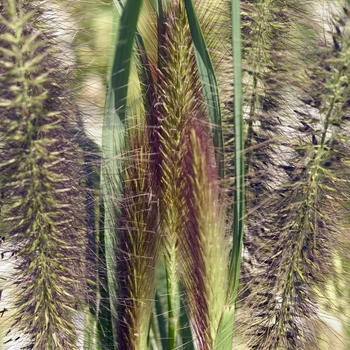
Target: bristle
(291, 240)
(132, 205)
(138, 246)
(177, 86)
(202, 246)
(40, 175)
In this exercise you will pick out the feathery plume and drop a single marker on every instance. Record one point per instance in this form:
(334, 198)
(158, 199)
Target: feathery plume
(40, 174)
(203, 247)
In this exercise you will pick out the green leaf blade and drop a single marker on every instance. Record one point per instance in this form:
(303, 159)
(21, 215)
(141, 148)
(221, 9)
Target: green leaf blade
(113, 134)
(209, 84)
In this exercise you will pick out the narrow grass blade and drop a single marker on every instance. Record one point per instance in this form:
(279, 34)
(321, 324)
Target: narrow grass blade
(155, 5)
(173, 298)
(224, 338)
(238, 224)
(97, 318)
(161, 305)
(225, 332)
(122, 59)
(186, 335)
(163, 6)
(209, 84)
(113, 135)
(154, 341)
(105, 322)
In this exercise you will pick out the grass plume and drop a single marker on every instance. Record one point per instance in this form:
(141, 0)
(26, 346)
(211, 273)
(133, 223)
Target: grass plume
(176, 90)
(138, 245)
(40, 174)
(291, 238)
(203, 247)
